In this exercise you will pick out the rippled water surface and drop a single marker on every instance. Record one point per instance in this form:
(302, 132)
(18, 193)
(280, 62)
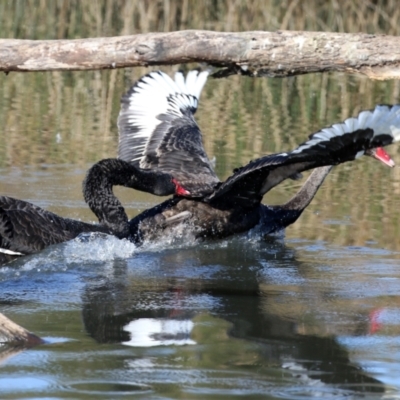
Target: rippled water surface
(280, 317)
(314, 312)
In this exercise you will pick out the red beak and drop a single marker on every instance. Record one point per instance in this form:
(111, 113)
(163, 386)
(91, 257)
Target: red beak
(179, 190)
(380, 154)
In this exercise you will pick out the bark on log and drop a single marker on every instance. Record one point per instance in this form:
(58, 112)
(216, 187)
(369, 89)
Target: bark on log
(11, 333)
(259, 53)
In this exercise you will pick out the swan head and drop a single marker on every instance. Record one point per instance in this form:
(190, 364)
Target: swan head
(380, 154)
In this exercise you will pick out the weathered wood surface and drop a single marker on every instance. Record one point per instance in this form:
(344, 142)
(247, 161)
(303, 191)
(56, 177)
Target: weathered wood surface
(282, 53)
(11, 333)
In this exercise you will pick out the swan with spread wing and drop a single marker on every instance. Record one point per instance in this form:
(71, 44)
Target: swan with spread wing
(158, 132)
(161, 152)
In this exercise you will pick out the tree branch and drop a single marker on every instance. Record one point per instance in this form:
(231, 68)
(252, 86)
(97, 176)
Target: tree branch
(10, 332)
(282, 53)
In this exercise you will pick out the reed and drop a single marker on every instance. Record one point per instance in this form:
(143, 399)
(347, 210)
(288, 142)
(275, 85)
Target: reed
(70, 117)
(40, 19)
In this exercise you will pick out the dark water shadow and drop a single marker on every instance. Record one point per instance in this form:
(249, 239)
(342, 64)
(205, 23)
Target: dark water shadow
(224, 280)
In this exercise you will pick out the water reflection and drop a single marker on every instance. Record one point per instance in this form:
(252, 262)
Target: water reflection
(242, 316)
(313, 317)
(216, 300)
(148, 332)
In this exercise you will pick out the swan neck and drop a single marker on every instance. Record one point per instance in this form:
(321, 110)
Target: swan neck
(307, 192)
(98, 193)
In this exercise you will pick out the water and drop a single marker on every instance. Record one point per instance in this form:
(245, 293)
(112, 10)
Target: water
(283, 317)
(310, 313)
(272, 318)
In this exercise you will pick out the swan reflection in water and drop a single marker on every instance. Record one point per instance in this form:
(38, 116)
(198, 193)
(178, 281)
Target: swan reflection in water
(235, 306)
(161, 152)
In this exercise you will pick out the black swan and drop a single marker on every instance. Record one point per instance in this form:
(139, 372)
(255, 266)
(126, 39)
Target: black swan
(158, 132)
(26, 228)
(161, 152)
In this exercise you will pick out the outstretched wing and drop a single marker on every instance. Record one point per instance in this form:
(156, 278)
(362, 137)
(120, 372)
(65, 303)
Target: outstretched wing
(157, 129)
(336, 144)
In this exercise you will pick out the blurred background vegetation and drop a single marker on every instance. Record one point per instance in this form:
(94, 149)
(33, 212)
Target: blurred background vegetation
(71, 19)
(51, 118)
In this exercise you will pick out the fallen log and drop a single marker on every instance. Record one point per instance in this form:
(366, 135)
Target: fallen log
(12, 333)
(259, 53)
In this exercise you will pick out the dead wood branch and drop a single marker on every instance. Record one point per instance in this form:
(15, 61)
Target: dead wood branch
(12, 333)
(282, 53)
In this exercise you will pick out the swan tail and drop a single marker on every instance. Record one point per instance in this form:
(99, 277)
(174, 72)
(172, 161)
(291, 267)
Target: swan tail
(11, 252)
(6, 235)
(6, 226)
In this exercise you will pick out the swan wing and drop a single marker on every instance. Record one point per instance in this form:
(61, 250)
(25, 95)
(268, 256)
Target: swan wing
(157, 129)
(336, 144)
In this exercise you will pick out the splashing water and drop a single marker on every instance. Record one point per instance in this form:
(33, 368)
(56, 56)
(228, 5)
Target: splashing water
(178, 236)
(98, 247)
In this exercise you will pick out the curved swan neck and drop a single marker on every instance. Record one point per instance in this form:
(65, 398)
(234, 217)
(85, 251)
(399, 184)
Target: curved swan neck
(279, 217)
(98, 193)
(307, 192)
